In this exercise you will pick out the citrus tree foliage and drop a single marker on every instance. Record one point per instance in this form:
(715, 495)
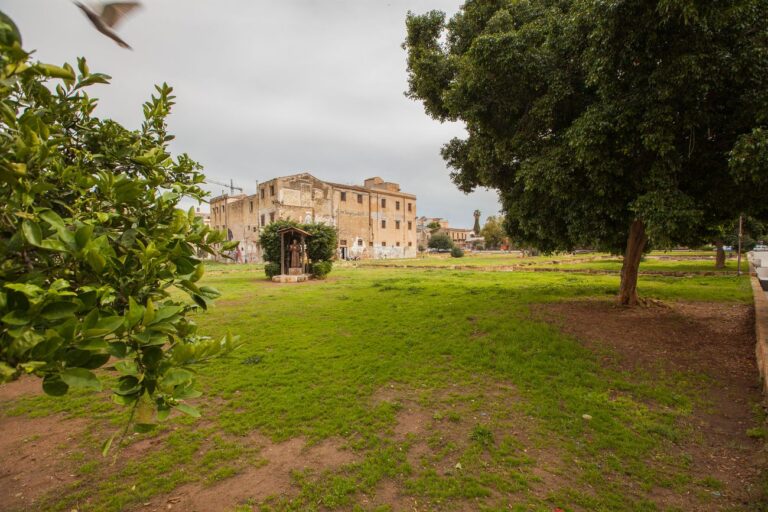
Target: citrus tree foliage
(440, 242)
(492, 233)
(602, 124)
(321, 246)
(92, 242)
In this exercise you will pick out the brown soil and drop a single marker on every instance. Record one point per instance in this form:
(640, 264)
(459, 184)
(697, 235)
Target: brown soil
(269, 477)
(36, 457)
(24, 386)
(713, 339)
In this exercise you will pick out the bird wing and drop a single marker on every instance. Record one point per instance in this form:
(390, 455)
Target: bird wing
(113, 12)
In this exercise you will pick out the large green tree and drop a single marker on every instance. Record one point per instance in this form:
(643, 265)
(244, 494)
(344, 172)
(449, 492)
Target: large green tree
(608, 124)
(92, 242)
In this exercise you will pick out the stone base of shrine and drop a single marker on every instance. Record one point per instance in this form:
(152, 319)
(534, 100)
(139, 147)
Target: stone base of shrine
(296, 278)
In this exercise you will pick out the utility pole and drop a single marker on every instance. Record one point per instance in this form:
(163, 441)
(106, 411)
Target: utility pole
(741, 234)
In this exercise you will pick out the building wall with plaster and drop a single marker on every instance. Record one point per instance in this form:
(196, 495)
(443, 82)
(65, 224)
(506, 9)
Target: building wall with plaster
(376, 220)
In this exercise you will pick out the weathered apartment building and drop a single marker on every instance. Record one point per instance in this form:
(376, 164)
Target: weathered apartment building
(376, 220)
(460, 237)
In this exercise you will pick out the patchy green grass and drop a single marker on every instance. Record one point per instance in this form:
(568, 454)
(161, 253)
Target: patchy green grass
(316, 356)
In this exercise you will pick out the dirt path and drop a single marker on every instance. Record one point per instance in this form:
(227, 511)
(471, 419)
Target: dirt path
(713, 339)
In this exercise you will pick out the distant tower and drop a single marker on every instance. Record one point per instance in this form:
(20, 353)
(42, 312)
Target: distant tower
(476, 229)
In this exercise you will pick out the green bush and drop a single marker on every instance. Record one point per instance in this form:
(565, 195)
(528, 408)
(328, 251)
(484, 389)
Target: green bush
(440, 242)
(92, 239)
(272, 269)
(321, 246)
(270, 240)
(456, 252)
(321, 269)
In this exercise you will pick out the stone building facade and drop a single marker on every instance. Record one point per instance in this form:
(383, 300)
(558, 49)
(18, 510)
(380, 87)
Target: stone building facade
(375, 220)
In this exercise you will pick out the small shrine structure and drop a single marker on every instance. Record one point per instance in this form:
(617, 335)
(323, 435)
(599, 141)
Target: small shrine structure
(294, 263)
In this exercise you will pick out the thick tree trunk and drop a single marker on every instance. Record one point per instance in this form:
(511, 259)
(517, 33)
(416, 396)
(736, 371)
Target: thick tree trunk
(629, 270)
(720, 255)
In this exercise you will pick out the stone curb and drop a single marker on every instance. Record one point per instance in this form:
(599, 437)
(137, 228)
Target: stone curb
(761, 329)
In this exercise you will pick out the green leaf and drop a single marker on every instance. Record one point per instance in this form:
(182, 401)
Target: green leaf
(54, 386)
(52, 218)
(108, 443)
(175, 377)
(58, 310)
(96, 260)
(80, 378)
(135, 313)
(104, 326)
(32, 232)
(149, 313)
(189, 410)
(166, 312)
(16, 318)
(83, 236)
(56, 71)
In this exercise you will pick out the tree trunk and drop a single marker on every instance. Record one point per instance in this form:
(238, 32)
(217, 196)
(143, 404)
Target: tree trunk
(629, 269)
(720, 255)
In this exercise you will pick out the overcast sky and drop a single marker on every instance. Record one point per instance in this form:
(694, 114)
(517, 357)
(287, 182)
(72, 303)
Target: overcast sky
(271, 88)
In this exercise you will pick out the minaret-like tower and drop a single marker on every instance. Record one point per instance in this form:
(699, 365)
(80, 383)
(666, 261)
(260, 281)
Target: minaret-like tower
(476, 229)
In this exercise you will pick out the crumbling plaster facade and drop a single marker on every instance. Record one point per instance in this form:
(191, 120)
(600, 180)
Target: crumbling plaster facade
(376, 220)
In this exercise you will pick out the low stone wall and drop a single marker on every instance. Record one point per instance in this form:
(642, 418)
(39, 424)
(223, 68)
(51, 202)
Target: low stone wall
(761, 329)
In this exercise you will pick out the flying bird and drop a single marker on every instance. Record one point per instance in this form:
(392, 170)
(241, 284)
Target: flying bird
(107, 15)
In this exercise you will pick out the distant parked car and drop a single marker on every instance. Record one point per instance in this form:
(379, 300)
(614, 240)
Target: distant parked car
(760, 247)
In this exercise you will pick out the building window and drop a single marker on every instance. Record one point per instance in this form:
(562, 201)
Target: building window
(262, 192)
(397, 224)
(255, 229)
(271, 190)
(343, 243)
(343, 196)
(250, 207)
(383, 244)
(370, 243)
(383, 202)
(383, 224)
(360, 242)
(397, 205)
(397, 244)
(410, 225)
(410, 244)
(272, 217)
(410, 207)
(262, 219)
(360, 198)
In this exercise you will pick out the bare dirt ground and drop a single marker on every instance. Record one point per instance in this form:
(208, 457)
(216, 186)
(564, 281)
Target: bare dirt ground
(713, 339)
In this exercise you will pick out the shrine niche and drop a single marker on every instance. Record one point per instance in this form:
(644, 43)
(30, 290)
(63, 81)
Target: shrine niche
(294, 263)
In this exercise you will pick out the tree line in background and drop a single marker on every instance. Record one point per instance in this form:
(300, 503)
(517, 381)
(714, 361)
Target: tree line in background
(619, 126)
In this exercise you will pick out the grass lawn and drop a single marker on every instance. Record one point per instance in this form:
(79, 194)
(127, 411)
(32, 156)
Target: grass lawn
(655, 261)
(380, 388)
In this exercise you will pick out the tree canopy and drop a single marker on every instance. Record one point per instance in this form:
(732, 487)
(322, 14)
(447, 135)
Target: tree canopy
(92, 241)
(603, 125)
(492, 233)
(440, 242)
